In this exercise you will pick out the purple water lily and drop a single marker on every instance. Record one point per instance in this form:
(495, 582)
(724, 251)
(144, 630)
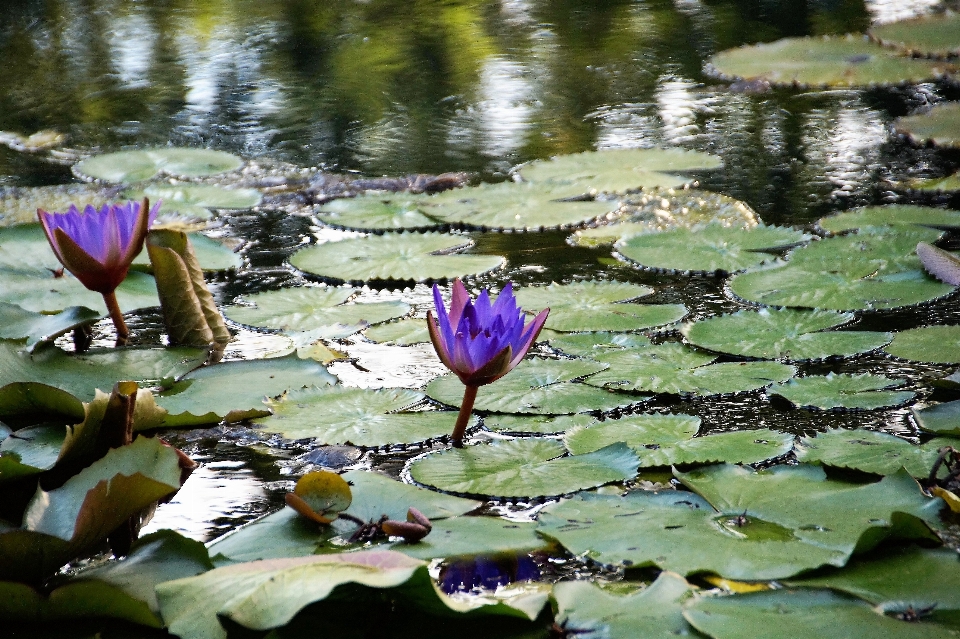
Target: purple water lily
(480, 341)
(98, 246)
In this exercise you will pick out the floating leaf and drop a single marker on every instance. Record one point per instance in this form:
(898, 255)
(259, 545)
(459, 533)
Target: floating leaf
(376, 211)
(320, 496)
(641, 432)
(193, 200)
(73, 602)
(942, 419)
(311, 307)
(403, 332)
(135, 166)
(597, 306)
(933, 35)
(947, 184)
(935, 344)
(32, 402)
(522, 468)
(849, 61)
(594, 344)
(940, 125)
(870, 451)
(708, 249)
(842, 392)
(395, 256)
(943, 265)
(538, 424)
(18, 205)
(471, 536)
(358, 416)
(17, 323)
(783, 334)
(892, 215)
(618, 170)
(32, 451)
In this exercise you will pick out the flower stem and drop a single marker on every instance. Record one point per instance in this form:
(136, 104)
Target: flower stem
(123, 333)
(466, 408)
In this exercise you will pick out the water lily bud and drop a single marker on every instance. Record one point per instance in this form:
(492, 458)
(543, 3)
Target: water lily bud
(415, 516)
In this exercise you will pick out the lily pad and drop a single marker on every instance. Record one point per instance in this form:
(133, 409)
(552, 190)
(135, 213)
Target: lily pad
(536, 424)
(934, 344)
(308, 308)
(187, 199)
(597, 306)
(842, 392)
(891, 216)
(618, 170)
(403, 332)
(942, 419)
(710, 249)
(18, 323)
(135, 166)
(516, 205)
(678, 369)
(642, 432)
(234, 391)
(932, 35)
(950, 183)
(395, 256)
(373, 212)
(358, 416)
(471, 536)
(594, 344)
(940, 125)
(18, 205)
(522, 468)
(870, 451)
(536, 386)
(32, 451)
(33, 402)
(849, 61)
(783, 334)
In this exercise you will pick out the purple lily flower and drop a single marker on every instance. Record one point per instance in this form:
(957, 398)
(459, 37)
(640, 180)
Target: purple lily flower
(98, 246)
(480, 341)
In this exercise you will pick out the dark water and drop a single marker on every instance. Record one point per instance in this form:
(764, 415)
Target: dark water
(394, 87)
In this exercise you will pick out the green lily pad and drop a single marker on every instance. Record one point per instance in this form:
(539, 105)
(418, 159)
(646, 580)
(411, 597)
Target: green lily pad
(515, 205)
(842, 392)
(657, 210)
(18, 323)
(374, 212)
(849, 61)
(783, 334)
(135, 166)
(18, 205)
(891, 216)
(665, 440)
(536, 424)
(942, 419)
(811, 613)
(186, 198)
(932, 35)
(597, 306)
(311, 307)
(707, 249)
(522, 468)
(594, 344)
(81, 374)
(404, 332)
(654, 612)
(73, 602)
(875, 268)
(935, 344)
(870, 451)
(358, 416)
(32, 402)
(678, 369)
(940, 125)
(470, 536)
(234, 391)
(32, 451)
(394, 256)
(536, 386)
(945, 184)
(618, 170)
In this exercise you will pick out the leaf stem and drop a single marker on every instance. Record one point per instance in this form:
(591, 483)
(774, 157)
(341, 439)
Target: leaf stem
(466, 408)
(123, 333)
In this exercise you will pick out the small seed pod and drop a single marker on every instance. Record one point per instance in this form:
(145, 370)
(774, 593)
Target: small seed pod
(411, 532)
(415, 516)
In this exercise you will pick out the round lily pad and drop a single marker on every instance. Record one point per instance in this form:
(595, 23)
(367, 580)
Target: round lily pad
(641, 432)
(618, 170)
(785, 334)
(936, 35)
(403, 332)
(678, 369)
(875, 268)
(870, 451)
(940, 125)
(394, 256)
(842, 392)
(514, 205)
(891, 216)
(536, 424)
(597, 306)
(193, 200)
(358, 416)
(18, 205)
(934, 344)
(522, 468)
(135, 166)
(536, 386)
(709, 249)
(942, 419)
(308, 308)
(593, 344)
(373, 212)
(849, 61)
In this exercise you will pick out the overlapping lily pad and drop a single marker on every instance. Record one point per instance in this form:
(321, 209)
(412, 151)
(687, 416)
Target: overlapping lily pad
(536, 424)
(940, 125)
(135, 166)
(935, 344)
(932, 35)
(17, 323)
(394, 256)
(536, 386)
(678, 369)
(710, 249)
(403, 332)
(875, 268)
(870, 451)
(891, 216)
(842, 392)
(824, 61)
(785, 334)
(18, 205)
(358, 416)
(372, 212)
(35, 449)
(593, 344)
(195, 200)
(942, 419)
(523, 468)
(597, 306)
(618, 170)
(309, 308)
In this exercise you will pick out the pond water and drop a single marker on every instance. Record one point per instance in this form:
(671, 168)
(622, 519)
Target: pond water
(390, 87)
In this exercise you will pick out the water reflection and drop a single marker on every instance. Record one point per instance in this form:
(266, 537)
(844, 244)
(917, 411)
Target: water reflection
(893, 10)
